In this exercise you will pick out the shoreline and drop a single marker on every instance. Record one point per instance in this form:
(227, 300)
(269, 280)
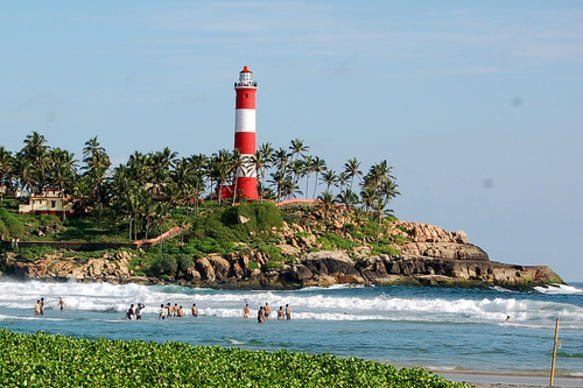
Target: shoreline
(492, 379)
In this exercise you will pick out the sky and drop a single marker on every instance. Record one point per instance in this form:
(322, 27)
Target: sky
(478, 106)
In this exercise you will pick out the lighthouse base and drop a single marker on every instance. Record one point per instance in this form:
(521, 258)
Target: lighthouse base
(246, 189)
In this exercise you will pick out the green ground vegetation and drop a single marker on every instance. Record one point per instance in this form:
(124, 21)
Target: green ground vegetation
(43, 360)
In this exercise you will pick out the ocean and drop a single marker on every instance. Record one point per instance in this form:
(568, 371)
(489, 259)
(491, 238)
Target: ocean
(445, 329)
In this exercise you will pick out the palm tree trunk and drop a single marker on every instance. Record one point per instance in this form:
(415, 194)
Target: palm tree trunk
(315, 185)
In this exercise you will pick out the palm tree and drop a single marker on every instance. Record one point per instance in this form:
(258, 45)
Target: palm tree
(280, 158)
(330, 178)
(342, 180)
(238, 166)
(297, 169)
(6, 168)
(261, 163)
(221, 170)
(62, 171)
(308, 169)
(35, 151)
(198, 164)
(278, 179)
(319, 166)
(326, 203)
(298, 148)
(97, 163)
(352, 170)
(348, 198)
(379, 189)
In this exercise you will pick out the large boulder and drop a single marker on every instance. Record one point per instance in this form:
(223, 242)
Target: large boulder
(301, 273)
(221, 267)
(445, 250)
(329, 263)
(206, 270)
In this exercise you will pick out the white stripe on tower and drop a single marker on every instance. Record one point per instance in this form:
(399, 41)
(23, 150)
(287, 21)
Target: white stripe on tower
(245, 120)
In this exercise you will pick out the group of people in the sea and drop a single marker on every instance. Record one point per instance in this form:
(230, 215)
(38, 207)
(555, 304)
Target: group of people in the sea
(39, 306)
(168, 311)
(265, 311)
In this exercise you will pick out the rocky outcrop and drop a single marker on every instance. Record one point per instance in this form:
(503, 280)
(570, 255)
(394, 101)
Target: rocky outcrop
(433, 241)
(112, 267)
(428, 255)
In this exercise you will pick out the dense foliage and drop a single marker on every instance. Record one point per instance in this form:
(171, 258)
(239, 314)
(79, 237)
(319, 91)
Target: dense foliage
(149, 188)
(46, 360)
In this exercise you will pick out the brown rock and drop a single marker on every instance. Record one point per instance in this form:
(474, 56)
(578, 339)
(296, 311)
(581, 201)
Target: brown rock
(289, 250)
(221, 267)
(204, 267)
(329, 263)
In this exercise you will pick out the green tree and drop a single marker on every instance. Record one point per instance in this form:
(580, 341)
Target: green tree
(352, 170)
(96, 163)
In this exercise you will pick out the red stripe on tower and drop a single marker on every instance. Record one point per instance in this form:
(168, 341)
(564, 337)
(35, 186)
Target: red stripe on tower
(245, 138)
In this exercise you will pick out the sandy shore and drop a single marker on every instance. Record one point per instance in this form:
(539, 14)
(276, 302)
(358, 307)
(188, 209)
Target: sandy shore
(491, 379)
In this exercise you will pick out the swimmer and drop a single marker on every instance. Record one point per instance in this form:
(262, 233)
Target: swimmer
(280, 313)
(287, 312)
(162, 314)
(37, 308)
(261, 315)
(168, 310)
(246, 311)
(507, 318)
(131, 314)
(267, 310)
(175, 310)
(61, 304)
(139, 311)
(42, 307)
(194, 310)
(180, 312)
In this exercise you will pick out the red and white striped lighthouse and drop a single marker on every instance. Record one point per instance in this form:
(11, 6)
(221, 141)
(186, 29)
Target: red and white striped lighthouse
(245, 139)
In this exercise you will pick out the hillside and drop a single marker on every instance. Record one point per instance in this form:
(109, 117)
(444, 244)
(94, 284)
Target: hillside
(259, 245)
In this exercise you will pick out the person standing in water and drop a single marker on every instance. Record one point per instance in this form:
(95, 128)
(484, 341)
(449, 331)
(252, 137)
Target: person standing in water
(246, 311)
(175, 310)
(42, 307)
(131, 314)
(280, 313)
(139, 311)
(168, 310)
(287, 312)
(267, 310)
(261, 315)
(194, 310)
(162, 314)
(37, 308)
(61, 303)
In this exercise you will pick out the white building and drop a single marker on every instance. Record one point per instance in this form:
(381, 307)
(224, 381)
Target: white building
(50, 201)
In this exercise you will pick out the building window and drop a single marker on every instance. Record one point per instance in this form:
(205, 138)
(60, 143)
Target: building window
(53, 204)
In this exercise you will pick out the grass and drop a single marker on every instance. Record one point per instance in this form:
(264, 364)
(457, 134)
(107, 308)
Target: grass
(43, 360)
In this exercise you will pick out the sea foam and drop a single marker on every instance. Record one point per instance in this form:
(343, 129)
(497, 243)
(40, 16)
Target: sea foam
(345, 304)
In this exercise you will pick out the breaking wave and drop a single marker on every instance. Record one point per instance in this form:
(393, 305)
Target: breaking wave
(559, 289)
(315, 305)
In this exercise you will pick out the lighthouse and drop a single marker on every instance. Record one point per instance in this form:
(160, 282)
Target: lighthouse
(245, 138)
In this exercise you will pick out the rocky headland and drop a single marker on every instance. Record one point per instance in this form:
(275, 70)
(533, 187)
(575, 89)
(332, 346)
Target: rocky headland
(427, 255)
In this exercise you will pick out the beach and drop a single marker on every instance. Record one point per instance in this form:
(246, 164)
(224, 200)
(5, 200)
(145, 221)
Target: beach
(456, 332)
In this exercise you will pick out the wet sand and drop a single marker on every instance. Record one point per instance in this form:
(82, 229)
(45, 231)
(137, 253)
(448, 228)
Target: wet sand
(487, 379)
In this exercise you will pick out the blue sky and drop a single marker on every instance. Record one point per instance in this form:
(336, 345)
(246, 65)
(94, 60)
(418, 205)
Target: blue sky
(477, 105)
